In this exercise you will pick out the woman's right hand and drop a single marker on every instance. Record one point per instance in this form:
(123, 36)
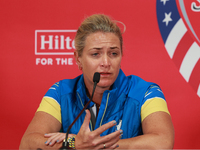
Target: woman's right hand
(86, 139)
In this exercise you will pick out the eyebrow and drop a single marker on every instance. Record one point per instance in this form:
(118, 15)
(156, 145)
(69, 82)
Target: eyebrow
(115, 47)
(96, 48)
(99, 48)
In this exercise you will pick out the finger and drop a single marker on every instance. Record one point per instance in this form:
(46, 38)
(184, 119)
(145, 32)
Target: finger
(53, 139)
(60, 138)
(113, 143)
(82, 136)
(86, 121)
(47, 135)
(105, 127)
(111, 139)
(114, 146)
(49, 140)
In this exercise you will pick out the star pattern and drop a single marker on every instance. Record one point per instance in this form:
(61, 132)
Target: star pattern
(164, 1)
(167, 18)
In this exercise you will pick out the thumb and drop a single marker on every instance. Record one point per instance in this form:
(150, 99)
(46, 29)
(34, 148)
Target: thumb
(86, 122)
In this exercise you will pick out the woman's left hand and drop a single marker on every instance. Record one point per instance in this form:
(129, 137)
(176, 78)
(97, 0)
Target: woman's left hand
(87, 139)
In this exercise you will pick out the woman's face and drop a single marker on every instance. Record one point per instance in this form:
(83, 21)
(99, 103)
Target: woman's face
(102, 53)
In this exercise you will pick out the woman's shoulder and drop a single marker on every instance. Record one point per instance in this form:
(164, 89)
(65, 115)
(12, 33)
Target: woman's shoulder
(138, 86)
(65, 82)
(65, 86)
(138, 81)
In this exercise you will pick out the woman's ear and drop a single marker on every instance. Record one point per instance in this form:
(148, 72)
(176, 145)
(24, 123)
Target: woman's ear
(78, 60)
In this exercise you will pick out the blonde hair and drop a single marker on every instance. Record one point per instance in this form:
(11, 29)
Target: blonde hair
(96, 23)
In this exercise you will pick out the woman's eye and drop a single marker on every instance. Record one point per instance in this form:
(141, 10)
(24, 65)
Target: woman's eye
(114, 54)
(95, 54)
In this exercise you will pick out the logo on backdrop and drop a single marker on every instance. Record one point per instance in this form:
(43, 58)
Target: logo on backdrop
(179, 27)
(54, 47)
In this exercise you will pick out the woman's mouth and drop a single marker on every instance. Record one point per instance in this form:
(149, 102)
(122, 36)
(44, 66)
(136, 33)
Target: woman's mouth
(105, 74)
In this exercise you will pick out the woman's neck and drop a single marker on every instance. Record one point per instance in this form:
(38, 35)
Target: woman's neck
(98, 94)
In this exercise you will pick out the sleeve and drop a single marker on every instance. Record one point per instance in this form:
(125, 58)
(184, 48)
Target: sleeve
(154, 101)
(50, 102)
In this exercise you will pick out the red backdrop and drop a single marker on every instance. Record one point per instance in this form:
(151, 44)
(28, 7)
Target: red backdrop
(26, 74)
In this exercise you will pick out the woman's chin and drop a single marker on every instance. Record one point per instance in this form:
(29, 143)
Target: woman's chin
(104, 85)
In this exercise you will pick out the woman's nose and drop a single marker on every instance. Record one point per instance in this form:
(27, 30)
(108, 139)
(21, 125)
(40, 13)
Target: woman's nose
(105, 61)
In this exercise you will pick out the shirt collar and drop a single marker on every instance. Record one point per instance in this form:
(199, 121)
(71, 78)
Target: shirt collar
(120, 86)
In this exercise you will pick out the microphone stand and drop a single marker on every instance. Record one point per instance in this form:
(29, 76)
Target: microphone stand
(65, 145)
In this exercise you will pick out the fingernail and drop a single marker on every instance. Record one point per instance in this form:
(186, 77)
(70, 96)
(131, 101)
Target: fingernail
(57, 141)
(46, 142)
(120, 136)
(121, 132)
(114, 122)
(50, 143)
(117, 146)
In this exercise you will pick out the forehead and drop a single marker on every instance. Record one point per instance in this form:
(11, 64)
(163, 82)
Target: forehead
(102, 38)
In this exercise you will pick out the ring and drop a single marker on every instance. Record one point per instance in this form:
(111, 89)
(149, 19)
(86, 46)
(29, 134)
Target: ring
(104, 146)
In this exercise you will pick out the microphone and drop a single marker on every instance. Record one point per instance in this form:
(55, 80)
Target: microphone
(96, 79)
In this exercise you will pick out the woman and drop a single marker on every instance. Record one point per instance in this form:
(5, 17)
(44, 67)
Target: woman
(129, 112)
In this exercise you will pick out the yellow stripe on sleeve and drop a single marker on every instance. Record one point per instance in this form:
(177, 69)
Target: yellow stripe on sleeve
(50, 106)
(153, 105)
